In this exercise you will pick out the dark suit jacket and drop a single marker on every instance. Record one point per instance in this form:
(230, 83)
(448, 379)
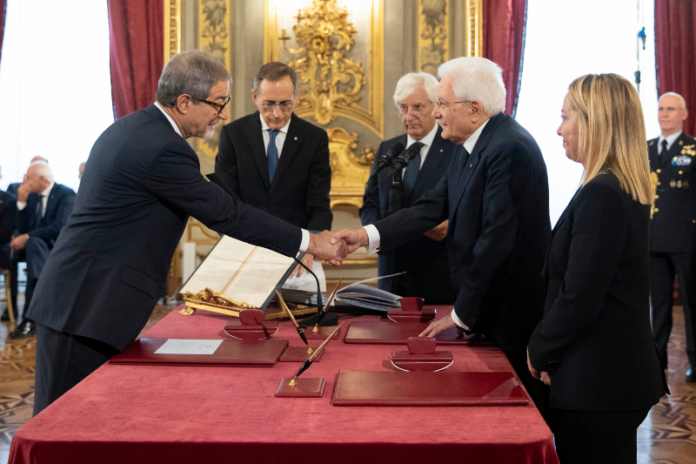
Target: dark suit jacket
(300, 190)
(12, 188)
(497, 202)
(110, 263)
(673, 226)
(424, 259)
(8, 211)
(595, 339)
(58, 208)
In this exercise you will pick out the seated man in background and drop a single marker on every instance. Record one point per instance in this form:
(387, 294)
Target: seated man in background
(7, 226)
(274, 160)
(12, 188)
(423, 258)
(43, 208)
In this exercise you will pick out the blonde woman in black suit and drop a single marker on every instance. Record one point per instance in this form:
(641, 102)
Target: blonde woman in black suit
(594, 346)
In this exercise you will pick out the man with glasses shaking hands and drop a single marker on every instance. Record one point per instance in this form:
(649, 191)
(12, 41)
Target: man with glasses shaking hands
(274, 160)
(496, 197)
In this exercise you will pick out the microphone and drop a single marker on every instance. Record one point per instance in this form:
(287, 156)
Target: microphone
(387, 158)
(403, 159)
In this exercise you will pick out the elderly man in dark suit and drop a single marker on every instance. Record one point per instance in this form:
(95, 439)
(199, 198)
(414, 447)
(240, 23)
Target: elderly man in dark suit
(424, 259)
(141, 183)
(673, 226)
(495, 195)
(43, 208)
(276, 161)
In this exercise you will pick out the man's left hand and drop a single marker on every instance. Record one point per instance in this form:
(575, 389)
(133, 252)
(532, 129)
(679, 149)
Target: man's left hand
(438, 326)
(19, 242)
(307, 260)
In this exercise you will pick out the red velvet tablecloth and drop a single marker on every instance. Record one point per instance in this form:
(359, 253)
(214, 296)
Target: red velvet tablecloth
(195, 414)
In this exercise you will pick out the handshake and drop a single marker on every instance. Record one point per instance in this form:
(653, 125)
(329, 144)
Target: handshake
(333, 247)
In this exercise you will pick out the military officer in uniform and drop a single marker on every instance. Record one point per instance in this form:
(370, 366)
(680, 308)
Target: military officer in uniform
(673, 226)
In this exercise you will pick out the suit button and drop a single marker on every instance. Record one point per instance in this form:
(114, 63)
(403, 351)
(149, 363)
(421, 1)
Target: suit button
(694, 221)
(681, 172)
(659, 171)
(552, 364)
(657, 209)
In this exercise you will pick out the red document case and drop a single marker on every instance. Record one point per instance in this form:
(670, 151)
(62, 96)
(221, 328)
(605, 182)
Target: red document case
(229, 353)
(393, 388)
(398, 333)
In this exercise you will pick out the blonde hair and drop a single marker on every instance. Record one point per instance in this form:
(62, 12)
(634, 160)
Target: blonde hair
(612, 132)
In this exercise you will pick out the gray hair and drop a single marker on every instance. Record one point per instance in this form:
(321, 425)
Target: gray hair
(475, 78)
(189, 73)
(273, 72)
(411, 82)
(674, 94)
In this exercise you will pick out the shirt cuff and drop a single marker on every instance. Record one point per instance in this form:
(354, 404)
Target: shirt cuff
(21, 205)
(458, 321)
(304, 244)
(373, 239)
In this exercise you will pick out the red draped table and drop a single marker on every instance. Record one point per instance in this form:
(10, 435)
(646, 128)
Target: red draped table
(186, 414)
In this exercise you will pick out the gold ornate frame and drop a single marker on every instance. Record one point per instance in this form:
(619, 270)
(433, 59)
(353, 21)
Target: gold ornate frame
(373, 116)
(172, 28)
(474, 28)
(433, 35)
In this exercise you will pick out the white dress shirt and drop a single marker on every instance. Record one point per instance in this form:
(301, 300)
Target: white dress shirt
(670, 141)
(44, 200)
(280, 136)
(373, 233)
(305, 234)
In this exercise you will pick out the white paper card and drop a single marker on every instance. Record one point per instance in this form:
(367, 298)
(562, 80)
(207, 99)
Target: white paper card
(177, 346)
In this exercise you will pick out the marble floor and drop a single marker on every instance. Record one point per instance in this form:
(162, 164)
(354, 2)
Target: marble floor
(668, 435)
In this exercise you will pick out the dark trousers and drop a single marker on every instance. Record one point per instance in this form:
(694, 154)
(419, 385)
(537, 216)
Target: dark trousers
(536, 389)
(663, 267)
(596, 437)
(62, 361)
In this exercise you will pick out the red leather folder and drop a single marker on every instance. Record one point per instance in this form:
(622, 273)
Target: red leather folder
(392, 333)
(229, 353)
(298, 354)
(394, 388)
(432, 362)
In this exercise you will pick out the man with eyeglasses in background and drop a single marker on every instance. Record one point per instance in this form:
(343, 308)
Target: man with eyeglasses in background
(274, 160)
(424, 259)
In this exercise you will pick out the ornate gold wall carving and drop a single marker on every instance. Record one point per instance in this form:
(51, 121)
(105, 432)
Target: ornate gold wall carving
(339, 72)
(349, 173)
(433, 34)
(172, 28)
(474, 27)
(214, 38)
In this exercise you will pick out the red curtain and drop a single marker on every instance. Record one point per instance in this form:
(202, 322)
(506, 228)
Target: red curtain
(675, 42)
(503, 42)
(137, 49)
(3, 10)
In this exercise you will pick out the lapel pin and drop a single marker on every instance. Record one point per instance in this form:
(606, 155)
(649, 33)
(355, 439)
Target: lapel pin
(441, 150)
(295, 138)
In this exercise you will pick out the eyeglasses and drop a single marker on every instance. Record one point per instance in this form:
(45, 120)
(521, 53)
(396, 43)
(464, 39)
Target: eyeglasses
(284, 105)
(416, 110)
(441, 104)
(216, 105)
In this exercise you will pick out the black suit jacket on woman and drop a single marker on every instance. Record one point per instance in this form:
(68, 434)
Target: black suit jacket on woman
(299, 193)
(424, 259)
(595, 339)
(497, 202)
(109, 266)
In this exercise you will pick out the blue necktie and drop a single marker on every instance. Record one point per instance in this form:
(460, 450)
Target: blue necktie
(272, 154)
(412, 169)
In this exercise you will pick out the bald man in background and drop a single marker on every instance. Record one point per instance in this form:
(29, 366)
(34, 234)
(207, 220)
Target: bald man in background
(43, 207)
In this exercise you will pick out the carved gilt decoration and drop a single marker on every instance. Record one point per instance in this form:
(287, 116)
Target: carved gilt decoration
(172, 28)
(474, 27)
(334, 81)
(214, 38)
(349, 173)
(433, 34)
(325, 37)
